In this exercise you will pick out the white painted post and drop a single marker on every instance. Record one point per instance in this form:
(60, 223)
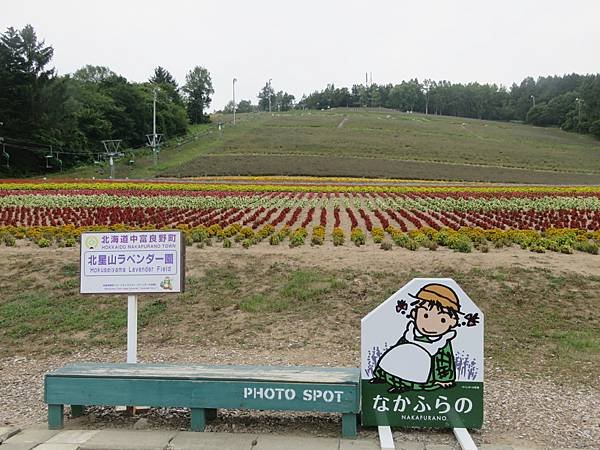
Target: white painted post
(132, 305)
(386, 439)
(464, 439)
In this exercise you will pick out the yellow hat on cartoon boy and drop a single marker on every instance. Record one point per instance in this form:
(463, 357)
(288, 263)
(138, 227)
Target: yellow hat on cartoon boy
(438, 293)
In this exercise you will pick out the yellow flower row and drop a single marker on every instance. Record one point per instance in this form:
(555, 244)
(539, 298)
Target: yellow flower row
(166, 186)
(564, 240)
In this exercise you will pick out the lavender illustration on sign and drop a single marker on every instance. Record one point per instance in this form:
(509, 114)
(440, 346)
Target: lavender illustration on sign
(466, 367)
(373, 356)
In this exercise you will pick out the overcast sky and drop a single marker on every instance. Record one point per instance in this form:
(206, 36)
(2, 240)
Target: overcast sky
(303, 45)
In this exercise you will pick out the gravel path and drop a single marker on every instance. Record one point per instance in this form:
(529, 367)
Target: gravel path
(534, 413)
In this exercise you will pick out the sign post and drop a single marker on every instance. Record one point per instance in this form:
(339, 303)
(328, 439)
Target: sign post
(132, 262)
(422, 360)
(132, 306)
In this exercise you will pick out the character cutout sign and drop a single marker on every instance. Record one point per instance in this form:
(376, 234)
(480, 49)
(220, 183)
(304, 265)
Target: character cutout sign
(422, 358)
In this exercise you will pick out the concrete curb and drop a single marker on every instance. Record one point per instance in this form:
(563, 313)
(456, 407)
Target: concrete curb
(126, 439)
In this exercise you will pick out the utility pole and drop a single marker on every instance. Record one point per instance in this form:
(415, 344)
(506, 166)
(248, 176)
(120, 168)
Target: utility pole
(154, 139)
(270, 94)
(426, 86)
(234, 80)
(4, 152)
(579, 100)
(154, 129)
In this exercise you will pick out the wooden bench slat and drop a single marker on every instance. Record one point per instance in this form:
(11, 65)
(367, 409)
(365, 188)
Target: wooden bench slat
(290, 374)
(201, 394)
(204, 388)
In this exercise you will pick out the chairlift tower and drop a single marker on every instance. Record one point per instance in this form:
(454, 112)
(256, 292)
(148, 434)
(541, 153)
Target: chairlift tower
(59, 161)
(111, 147)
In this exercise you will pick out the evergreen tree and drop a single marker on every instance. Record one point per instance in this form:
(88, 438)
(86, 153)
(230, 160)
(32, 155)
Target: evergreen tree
(198, 89)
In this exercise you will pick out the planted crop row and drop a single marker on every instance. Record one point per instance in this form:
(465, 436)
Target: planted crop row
(384, 216)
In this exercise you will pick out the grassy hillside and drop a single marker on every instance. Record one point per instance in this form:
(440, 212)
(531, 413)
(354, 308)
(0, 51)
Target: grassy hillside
(380, 143)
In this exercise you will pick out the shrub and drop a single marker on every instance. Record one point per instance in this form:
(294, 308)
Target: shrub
(298, 237)
(227, 243)
(246, 232)
(338, 236)
(378, 234)
(285, 231)
(538, 248)
(387, 245)
(67, 242)
(318, 235)
(232, 230)
(400, 239)
(411, 245)
(9, 240)
(43, 242)
(502, 242)
(567, 249)
(214, 229)
(357, 236)
(265, 232)
(461, 244)
(444, 238)
(584, 246)
(274, 239)
(430, 244)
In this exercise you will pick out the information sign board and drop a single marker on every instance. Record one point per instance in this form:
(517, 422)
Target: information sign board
(422, 358)
(132, 262)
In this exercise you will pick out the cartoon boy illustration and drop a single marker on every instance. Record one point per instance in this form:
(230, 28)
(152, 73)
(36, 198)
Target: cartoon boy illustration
(166, 284)
(423, 360)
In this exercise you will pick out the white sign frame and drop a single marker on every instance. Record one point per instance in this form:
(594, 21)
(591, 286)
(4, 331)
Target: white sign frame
(132, 258)
(387, 331)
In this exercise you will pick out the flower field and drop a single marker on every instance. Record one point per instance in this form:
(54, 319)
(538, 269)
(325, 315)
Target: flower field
(316, 211)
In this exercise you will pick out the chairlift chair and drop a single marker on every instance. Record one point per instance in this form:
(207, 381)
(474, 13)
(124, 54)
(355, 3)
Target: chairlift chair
(48, 160)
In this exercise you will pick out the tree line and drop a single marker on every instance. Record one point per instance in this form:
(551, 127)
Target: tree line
(268, 100)
(571, 102)
(47, 118)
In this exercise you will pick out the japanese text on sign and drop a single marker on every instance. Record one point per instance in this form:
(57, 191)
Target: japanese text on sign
(131, 262)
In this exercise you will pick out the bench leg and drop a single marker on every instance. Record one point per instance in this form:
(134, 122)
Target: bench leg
(55, 417)
(211, 414)
(77, 410)
(198, 419)
(349, 422)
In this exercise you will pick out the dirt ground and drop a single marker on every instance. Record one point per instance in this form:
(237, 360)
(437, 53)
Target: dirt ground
(524, 407)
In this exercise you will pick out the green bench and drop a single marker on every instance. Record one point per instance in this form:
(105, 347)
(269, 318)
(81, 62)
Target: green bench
(204, 389)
